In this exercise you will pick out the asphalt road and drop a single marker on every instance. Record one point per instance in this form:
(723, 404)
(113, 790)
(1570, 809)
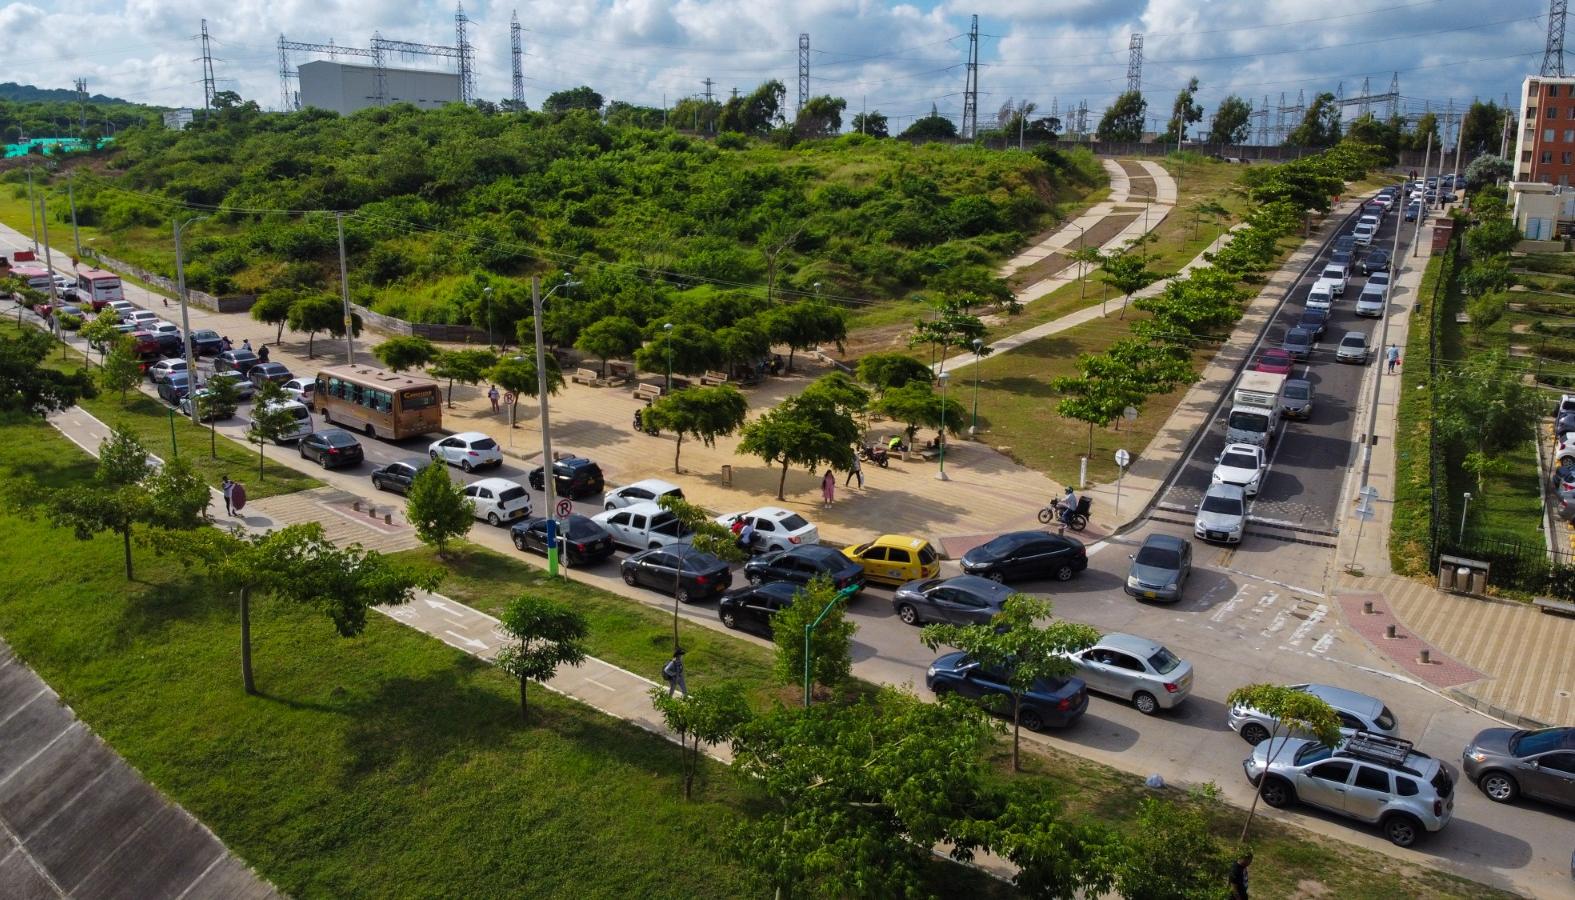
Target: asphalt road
(1309, 459)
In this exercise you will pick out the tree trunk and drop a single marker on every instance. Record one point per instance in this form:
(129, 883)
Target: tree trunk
(791, 348)
(1124, 299)
(524, 708)
(782, 482)
(311, 336)
(678, 448)
(451, 393)
(261, 460)
(1090, 440)
(514, 409)
(1258, 794)
(125, 537)
(1017, 711)
(278, 336)
(691, 759)
(213, 437)
(246, 640)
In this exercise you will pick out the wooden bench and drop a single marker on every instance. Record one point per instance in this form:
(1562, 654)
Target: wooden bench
(647, 391)
(1555, 607)
(586, 376)
(619, 373)
(713, 378)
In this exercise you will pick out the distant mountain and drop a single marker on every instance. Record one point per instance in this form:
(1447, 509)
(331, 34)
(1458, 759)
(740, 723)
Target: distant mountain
(27, 93)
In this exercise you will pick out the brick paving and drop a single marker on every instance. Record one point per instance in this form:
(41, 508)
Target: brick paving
(1405, 648)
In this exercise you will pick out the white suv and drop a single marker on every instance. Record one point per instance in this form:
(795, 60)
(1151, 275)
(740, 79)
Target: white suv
(498, 500)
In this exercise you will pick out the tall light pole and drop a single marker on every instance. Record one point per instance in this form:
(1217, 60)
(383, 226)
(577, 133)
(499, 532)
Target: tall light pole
(344, 292)
(547, 486)
(668, 331)
(941, 475)
(185, 322)
(1463, 510)
(1421, 204)
(32, 208)
(71, 198)
(978, 351)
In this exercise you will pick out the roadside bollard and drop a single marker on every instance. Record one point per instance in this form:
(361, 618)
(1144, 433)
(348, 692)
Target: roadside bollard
(1389, 631)
(1426, 657)
(356, 506)
(1367, 607)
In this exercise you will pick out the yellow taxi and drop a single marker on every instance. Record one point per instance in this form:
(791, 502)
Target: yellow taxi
(895, 559)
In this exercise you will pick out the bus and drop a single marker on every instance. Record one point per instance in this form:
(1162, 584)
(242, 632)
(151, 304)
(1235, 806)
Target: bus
(377, 402)
(98, 287)
(36, 277)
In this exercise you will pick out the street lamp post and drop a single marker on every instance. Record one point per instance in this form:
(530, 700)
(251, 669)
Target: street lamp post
(978, 351)
(1463, 510)
(185, 321)
(941, 475)
(667, 384)
(547, 487)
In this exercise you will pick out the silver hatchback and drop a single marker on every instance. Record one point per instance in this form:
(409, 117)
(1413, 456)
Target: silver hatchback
(1135, 669)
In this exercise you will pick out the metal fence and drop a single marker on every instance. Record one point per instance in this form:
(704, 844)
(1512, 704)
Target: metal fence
(1528, 568)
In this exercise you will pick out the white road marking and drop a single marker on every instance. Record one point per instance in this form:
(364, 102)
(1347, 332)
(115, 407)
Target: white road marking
(1324, 643)
(467, 641)
(1277, 623)
(1304, 629)
(1229, 606)
(607, 687)
(442, 606)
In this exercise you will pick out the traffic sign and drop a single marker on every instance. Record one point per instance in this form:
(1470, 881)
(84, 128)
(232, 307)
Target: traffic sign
(564, 509)
(1130, 413)
(508, 398)
(1123, 458)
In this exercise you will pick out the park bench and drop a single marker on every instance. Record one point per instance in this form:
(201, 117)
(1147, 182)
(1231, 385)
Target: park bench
(713, 378)
(619, 373)
(586, 376)
(1555, 607)
(647, 392)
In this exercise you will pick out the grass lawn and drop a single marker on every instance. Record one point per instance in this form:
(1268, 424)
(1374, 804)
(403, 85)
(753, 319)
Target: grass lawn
(150, 420)
(1410, 540)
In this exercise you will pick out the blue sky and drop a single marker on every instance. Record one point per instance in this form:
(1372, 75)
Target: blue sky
(899, 58)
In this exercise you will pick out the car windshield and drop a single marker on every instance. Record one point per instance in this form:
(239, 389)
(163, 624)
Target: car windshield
(1225, 505)
(583, 528)
(926, 555)
(1159, 558)
(1353, 340)
(1297, 391)
(793, 522)
(1527, 743)
(999, 547)
(511, 494)
(1238, 461)
(1297, 336)
(1313, 752)
(1163, 661)
(1249, 421)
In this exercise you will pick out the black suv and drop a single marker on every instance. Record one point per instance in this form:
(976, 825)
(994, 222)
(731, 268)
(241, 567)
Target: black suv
(1027, 555)
(800, 565)
(1376, 260)
(572, 476)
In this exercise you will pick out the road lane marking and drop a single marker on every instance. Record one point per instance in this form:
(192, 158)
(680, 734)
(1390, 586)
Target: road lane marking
(607, 687)
(1304, 629)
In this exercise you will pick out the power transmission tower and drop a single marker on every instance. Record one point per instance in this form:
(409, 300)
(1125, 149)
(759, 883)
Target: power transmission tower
(286, 98)
(1263, 122)
(82, 100)
(710, 116)
(1135, 62)
(970, 116)
(1364, 107)
(803, 70)
(1394, 97)
(517, 52)
(1553, 56)
(467, 56)
(1279, 120)
(207, 70)
(1082, 118)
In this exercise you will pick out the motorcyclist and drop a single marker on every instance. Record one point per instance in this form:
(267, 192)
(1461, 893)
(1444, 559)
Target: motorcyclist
(1067, 505)
(895, 444)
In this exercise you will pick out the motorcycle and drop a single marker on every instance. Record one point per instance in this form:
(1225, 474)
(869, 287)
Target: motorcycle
(639, 425)
(875, 454)
(1077, 519)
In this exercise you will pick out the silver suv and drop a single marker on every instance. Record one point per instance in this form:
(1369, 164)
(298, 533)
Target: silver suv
(1357, 712)
(1374, 779)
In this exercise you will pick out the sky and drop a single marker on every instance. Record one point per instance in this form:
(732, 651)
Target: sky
(895, 57)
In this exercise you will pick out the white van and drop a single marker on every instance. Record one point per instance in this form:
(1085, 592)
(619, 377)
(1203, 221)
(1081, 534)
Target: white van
(1371, 302)
(1321, 296)
(303, 421)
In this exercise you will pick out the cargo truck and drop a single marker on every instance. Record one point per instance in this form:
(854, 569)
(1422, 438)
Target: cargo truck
(1255, 409)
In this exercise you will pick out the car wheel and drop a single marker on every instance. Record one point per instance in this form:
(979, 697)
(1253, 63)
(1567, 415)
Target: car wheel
(519, 542)
(1031, 720)
(1064, 573)
(908, 614)
(377, 484)
(1145, 703)
(302, 448)
(1402, 831)
(608, 506)
(1277, 792)
(683, 596)
(434, 455)
(327, 419)
(940, 690)
(1499, 787)
(628, 578)
(996, 577)
(464, 465)
(755, 579)
(1254, 734)
(492, 519)
(729, 620)
(371, 432)
(322, 461)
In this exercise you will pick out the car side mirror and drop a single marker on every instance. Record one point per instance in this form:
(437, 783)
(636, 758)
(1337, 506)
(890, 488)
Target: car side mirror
(1218, 458)
(1130, 556)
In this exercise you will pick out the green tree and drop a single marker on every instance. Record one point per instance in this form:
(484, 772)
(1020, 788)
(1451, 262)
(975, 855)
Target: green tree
(1486, 170)
(1024, 822)
(807, 324)
(820, 117)
(1172, 853)
(830, 643)
(1020, 645)
(885, 371)
(1128, 273)
(1123, 121)
(933, 127)
(463, 366)
(1485, 276)
(1183, 113)
(546, 634)
(321, 312)
(438, 509)
(704, 413)
(1291, 711)
(1425, 134)
(1087, 259)
(581, 97)
(709, 715)
(692, 349)
(122, 369)
(1482, 126)
(744, 342)
(1483, 406)
(917, 404)
(1232, 122)
(705, 536)
(807, 430)
(755, 113)
(952, 329)
(1209, 209)
(405, 352)
(613, 336)
(273, 308)
(1492, 238)
(100, 332)
(872, 123)
(1320, 125)
(271, 420)
(518, 374)
(1207, 301)
(215, 400)
(27, 387)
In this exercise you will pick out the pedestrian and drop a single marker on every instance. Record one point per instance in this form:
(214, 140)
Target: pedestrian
(246, 344)
(262, 353)
(226, 487)
(856, 472)
(224, 343)
(166, 303)
(1238, 876)
(828, 488)
(1393, 355)
(673, 672)
(492, 394)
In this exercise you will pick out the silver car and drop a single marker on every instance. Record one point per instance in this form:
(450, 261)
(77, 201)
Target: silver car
(1506, 763)
(1296, 398)
(1135, 669)
(1357, 712)
(1353, 348)
(1222, 516)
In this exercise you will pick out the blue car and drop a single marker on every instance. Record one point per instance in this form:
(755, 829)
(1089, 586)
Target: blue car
(1056, 703)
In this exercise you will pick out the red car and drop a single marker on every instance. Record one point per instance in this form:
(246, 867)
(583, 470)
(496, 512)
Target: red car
(1274, 361)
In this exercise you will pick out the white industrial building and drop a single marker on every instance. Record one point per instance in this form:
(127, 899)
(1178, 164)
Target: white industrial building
(345, 88)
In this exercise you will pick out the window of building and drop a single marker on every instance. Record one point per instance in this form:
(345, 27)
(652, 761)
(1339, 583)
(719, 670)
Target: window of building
(1553, 90)
(1567, 157)
(1547, 156)
(1553, 112)
(1525, 157)
(1569, 135)
(1547, 135)
(1531, 112)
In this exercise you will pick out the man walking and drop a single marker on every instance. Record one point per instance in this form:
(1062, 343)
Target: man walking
(492, 394)
(673, 672)
(1393, 355)
(856, 472)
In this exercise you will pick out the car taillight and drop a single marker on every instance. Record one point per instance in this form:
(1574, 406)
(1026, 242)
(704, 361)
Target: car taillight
(333, 451)
(580, 547)
(792, 540)
(1172, 687)
(1064, 705)
(471, 453)
(702, 579)
(1438, 807)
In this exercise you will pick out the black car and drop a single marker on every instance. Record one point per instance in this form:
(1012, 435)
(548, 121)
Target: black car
(235, 361)
(397, 476)
(696, 575)
(750, 608)
(579, 537)
(1299, 342)
(168, 343)
(174, 387)
(1055, 702)
(1345, 243)
(1376, 260)
(1026, 555)
(964, 600)
(1314, 320)
(801, 564)
(331, 447)
(572, 476)
(268, 371)
(206, 341)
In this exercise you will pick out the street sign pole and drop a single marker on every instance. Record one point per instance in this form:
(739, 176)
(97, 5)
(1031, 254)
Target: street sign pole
(1123, 459)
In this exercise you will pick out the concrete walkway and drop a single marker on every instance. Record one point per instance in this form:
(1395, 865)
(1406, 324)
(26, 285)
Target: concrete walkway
(77, 821)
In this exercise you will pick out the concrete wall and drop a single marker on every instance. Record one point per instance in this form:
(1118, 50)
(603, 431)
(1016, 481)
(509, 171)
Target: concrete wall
(235, 303)
(454, 334)
(346, 88)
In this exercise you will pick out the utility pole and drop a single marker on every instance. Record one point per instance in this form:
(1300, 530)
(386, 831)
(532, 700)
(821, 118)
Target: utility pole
(71, 197)
(710, 117)
(208, 83)
(465, 55)
(1135, 63)
(185, 320)
(344, 291)
(803, 71)
(1416, 242)
(32, 208)
(970, 116)
(547, 486)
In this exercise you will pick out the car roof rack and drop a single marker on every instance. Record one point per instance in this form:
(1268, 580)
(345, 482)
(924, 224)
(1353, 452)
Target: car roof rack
(1377, 748)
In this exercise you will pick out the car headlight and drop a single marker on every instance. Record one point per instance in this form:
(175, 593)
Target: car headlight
(1170, 587)
(1476, 756)
(930, 671)
(1132, 581)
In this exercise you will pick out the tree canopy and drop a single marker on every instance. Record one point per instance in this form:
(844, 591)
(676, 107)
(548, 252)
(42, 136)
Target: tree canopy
(1232, 122)
(1123, 121)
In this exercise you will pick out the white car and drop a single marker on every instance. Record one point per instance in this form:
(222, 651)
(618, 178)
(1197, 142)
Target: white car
(302, 389)
(498, 500)
(1222, 516)
(642, 526)
(302, 425)
(161, 370)
(776, 528)
(1364, 234)
(1321, 296)
(160, 326)
(651, 490)
(1336, 277)
(1353, 348)
(144, 317)
(123, 308)
(1242, 465)
(468, 450)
